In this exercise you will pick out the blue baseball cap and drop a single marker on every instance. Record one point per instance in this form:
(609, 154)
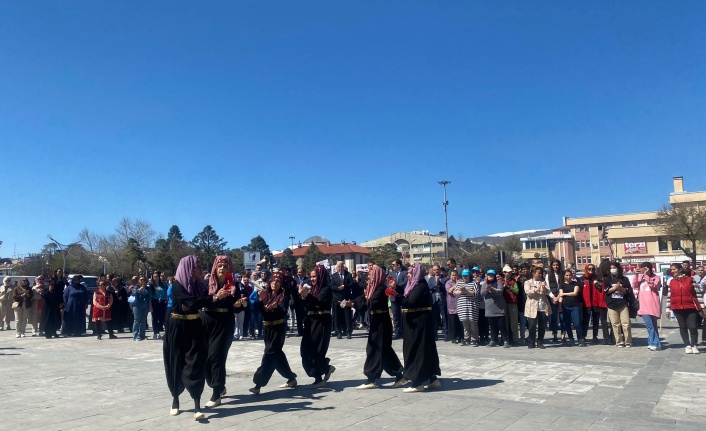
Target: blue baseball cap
(476, 269)
(490, 271)
(465, 272)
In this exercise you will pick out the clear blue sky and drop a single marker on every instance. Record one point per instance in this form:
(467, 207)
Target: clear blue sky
(337, 118)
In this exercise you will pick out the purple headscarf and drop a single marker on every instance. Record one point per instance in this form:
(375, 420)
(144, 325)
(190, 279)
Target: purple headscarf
(184, 276)
(418, 274)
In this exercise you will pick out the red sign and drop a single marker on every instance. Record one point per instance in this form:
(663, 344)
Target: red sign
(639, 247)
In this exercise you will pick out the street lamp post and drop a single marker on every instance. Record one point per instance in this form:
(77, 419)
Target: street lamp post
(291, 238)
(61, 249)
(444, 183)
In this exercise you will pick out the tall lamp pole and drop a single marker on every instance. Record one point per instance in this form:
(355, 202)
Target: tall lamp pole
(292, 239)
(61, 249)
(446, 217)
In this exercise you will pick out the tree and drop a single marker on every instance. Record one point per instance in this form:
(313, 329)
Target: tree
(384, 255)
(236, 258)
(683, 223)
(134, 253)
(207, 245)
(174, 234)
(313, 255)
(258, 243)
(513, 250)
(288, 260)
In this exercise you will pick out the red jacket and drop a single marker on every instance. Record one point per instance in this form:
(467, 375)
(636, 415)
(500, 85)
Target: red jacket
(682, 294)
(102, 303)
(592, 293)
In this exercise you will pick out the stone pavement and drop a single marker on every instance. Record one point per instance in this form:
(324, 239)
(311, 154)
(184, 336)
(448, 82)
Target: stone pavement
(86, 384)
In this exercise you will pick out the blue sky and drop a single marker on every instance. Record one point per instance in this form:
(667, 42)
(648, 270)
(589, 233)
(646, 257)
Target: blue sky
(284, 118)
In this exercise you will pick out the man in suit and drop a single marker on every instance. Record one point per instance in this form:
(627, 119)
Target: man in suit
(399, 273)
(341, 283)
(437, 283)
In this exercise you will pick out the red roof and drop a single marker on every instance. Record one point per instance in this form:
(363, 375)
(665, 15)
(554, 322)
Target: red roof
(328, 249)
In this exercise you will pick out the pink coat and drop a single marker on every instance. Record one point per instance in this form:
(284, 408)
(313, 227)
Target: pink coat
(648, 294)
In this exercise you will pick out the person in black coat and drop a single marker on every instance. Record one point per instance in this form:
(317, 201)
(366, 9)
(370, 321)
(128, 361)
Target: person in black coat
(51, 311)
(421, 359)
(317, 327)
(379, 353)
(274, 310)
(341, 287)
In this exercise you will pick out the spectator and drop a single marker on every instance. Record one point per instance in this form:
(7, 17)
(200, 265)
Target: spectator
(700, 279)
(483, 328)
(120, 311)
(241, 307)
(525, 275)
(437, 283)
(492, 293)
(159, 304)
(554, 278)
(102, 304)
(685, 306)
(140, 308)
(467, 293)
(22, 303)
(511, 295)
(255, 310)
(36, 310)
(6, 313)
(618, 294)
(648, 285)
(51, 311)
(537, 307)
(75, 306)
(569, 294)
(455, 329)
(399, 274)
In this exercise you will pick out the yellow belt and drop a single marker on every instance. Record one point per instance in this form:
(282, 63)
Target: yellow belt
(413, 310)
(217, 310)
(313, 313)
(272, 322)
(185, 316)
(379, 312)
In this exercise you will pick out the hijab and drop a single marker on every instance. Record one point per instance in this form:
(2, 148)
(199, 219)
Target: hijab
(184, 274)
(270, 296)
(376, 278)
(418, 274)
(321, 279)
(213, 279)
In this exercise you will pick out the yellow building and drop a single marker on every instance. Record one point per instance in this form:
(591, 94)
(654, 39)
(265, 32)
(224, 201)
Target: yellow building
(415, 246)
(632, 238)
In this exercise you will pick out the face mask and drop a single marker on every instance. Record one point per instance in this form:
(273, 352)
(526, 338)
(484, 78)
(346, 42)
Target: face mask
(614, 271)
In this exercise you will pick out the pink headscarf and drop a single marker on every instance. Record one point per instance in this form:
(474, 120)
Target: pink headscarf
(184, 274)
(376, 278)
(418, 272)
(213, 279)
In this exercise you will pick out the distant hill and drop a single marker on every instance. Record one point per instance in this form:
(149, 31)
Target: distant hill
(499, 238)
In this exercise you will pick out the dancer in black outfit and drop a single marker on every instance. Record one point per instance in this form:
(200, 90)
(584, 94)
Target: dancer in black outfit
(219, 323)
(184, 346)
(421, 359)
(274, 310)
(317, 327)
(379, 354)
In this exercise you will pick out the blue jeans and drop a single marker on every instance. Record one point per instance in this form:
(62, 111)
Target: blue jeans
(139, 325)
(555, 319)
(572, 314)
(255, 321)
(652, 332)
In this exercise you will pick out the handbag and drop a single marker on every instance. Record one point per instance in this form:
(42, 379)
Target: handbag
(633, 304)
(131, 299)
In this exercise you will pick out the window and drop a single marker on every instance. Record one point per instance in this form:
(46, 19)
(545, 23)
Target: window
(676, 245)
(588, 259)
(662, 244)
(600, 227)
(629, 224)
(650, 223)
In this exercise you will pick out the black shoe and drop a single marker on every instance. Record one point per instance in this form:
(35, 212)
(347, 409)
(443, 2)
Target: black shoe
(112, 337)
(530, 346)
(541, 346)
(339, 336)
(349, 336)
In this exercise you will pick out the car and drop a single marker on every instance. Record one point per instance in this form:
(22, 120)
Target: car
(90, 281)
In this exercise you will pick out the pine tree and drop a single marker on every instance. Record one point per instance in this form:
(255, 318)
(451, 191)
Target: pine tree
(207, 245)
(313, 255)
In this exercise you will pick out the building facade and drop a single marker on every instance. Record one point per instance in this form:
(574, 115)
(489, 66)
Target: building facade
(415, 246)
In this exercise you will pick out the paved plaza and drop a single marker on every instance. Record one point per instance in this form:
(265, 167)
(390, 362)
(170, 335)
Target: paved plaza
(86, 384)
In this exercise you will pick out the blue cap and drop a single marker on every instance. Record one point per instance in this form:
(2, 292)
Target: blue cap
(475, 268)
(490, 271)
(465, 272)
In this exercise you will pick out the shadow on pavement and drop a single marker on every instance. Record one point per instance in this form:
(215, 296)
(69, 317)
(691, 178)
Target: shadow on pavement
(227, 410)
(456, 384)
(12, 348)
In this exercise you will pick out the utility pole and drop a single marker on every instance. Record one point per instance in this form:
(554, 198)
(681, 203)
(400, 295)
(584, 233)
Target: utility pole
(444, 183)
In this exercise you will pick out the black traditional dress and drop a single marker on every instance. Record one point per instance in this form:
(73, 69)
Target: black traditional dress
(184, 343)
(421, 360)
(317, 333)
(379, 353)
(219, 324)
(274, 333)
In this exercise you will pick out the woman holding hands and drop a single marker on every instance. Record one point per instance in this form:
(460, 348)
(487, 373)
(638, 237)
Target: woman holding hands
(317, 298)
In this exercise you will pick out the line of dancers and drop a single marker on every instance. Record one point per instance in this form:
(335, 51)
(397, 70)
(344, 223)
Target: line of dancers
(199, 331)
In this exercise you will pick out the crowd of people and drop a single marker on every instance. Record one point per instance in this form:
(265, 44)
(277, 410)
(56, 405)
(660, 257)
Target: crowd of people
(201, 315)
